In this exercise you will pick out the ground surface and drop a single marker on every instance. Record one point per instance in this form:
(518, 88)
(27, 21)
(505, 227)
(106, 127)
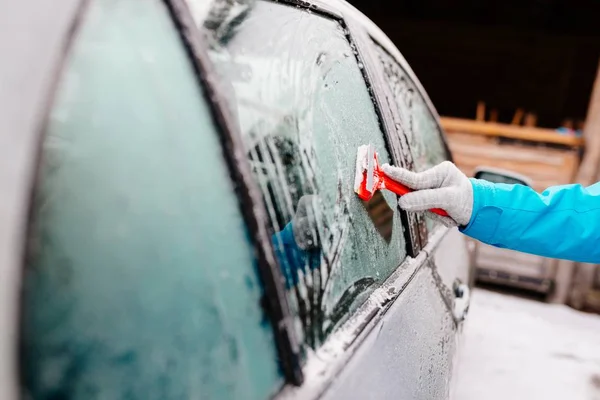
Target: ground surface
(513, 348)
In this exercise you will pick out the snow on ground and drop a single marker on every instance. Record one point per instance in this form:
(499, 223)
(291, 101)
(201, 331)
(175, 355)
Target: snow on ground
(514, 349)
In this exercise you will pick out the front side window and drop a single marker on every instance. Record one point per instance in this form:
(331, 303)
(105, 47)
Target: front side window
(304, 108)
(141, 281)
(415, 119)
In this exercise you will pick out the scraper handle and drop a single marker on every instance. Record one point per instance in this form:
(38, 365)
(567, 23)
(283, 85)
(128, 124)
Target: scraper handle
(401, 190)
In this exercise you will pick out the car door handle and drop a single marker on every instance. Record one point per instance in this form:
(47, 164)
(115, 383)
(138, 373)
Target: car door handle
(462, 299)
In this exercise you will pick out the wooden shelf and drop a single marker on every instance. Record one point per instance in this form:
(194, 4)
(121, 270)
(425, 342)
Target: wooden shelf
(530, 134)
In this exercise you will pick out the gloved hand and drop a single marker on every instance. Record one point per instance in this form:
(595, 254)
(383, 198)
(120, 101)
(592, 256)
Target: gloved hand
(443, 186)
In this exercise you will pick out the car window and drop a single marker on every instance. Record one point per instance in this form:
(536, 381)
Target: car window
(140, 281)
(304, 108)
(415, 118)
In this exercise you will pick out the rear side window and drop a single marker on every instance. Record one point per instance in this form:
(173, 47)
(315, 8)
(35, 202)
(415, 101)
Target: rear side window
(304, 108)
(141, 279)
(415, 119)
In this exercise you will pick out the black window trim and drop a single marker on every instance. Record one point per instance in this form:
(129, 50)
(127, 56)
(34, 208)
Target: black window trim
(275, 300)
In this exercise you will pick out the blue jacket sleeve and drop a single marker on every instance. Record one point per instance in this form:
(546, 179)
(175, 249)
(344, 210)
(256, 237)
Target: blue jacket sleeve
(562, 222)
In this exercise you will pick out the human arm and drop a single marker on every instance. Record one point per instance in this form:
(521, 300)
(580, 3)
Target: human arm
(562, 222)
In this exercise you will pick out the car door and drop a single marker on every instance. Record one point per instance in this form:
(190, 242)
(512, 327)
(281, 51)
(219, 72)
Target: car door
(297, 85)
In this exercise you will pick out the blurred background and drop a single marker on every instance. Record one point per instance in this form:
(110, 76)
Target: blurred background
(537, 55)
(517, 85)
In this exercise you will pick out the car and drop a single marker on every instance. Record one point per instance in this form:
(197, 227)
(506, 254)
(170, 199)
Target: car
(509, 268)
(178, 214)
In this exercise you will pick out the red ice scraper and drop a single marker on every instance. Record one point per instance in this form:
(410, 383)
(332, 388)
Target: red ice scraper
(370, 177)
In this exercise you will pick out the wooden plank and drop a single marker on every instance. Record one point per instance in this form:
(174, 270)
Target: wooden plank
(471, 139)
(530, 119)
(541, 156)
(480, 111)
(494, 115)
(562, 165)
(545, 166)
(531, 134)
(518, 116)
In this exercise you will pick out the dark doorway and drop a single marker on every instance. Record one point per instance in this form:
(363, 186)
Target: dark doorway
(538, 55)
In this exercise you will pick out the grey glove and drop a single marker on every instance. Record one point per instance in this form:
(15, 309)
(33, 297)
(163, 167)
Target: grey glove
(443, 186)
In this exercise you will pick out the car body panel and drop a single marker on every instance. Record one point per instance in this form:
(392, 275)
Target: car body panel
(326, 363)
(347, 350)
(409, 353)
(452, 259)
